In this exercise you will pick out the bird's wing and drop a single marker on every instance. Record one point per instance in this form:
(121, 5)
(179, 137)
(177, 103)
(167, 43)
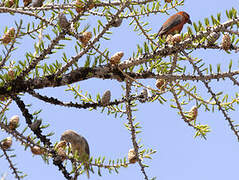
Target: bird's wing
(170, 23)
(87, 149)
(159, 33)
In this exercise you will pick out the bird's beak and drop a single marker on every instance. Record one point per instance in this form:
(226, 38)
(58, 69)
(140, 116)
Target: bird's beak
(189, 22)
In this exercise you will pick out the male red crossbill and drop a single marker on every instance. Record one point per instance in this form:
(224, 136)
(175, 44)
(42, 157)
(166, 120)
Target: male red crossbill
(174, 24)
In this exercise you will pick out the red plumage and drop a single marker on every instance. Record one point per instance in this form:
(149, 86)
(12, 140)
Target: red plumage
(174, 24)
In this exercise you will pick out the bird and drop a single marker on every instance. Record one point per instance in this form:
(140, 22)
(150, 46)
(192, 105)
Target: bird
(79, 145)
(174, 24)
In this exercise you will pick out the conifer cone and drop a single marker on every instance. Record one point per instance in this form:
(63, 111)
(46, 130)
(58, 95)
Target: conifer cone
(187, 36)
(27, 2)
(11, 73)
(13, 123)
(169, 39)
(37, 3)
(8, 36)
(226, 42)
(143, 95)
(115, 59)
(213, 37)
(173, 39)
(6, 143)
(10, 3)
(62, 153)
(106, 97)
(161, 84)
(36, 124)
(132, 156)
(193, 113)
(79, 6)
(176, 38)
(36, 150)
(85, 37)
(117, 22)
(62, 21)
(60, 144)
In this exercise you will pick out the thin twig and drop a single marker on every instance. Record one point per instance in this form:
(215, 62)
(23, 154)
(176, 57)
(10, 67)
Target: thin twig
(140, 27)
(173, 64)
(206, 83)
(89, 46)
(38, 133)
(182, 114)
(3, 61)
(85, 105)
(41, 57)
(132, 129)
(14, 169)
(8, 10)
(5, 106)
(172, 49)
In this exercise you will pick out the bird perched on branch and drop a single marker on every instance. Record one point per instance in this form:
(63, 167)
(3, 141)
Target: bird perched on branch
(79, 145)
(174, 24)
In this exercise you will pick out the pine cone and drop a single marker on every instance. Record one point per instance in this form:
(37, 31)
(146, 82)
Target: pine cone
(27, 2)
(8, 36)
(10, 3)
(37, 150)
(132, 156)
(13, 122)
(79, 6)
(213, 37)
(61, 144)
(169, 39)
(106, 97)
(62, 21)
(161, 84)
(176, 38)
(11, 73)
(85, 37)
(37, 3)
(143, 95)
(187, 36)
(117, 22)
(36, 124)
(61, 152)
(115, 59)
(91, 5)
(226, 42)
(6, 143)
(193, 113)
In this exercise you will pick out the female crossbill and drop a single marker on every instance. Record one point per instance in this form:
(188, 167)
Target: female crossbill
(79, 145)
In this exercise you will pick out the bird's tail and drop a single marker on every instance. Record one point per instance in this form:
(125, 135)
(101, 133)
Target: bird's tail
(87, 168)
(157, 35)
(160, 33)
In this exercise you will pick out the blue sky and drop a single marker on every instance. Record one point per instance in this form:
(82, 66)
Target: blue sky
(179, 156)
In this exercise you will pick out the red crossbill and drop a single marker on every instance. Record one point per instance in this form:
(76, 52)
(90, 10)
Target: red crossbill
(174, 24)
(79, 145)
